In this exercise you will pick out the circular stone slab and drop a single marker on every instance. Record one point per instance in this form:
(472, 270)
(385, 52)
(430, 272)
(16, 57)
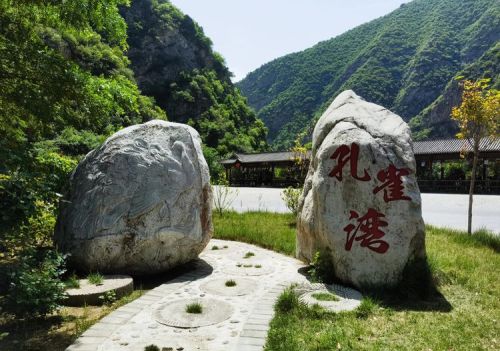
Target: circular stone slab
(348, 299)
(88, 294)
(174, 313)
(218, 287)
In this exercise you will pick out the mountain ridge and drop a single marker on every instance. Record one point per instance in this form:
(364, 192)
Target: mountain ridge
(403, 61)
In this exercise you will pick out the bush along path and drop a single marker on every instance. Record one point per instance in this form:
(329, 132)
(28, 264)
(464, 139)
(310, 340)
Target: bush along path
(225, 303)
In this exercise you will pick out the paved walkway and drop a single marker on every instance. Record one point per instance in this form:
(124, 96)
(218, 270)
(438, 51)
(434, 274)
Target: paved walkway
(237, 318)
(442, 210)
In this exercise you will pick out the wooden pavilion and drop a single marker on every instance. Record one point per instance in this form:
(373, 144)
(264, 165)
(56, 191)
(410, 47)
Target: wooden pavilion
(440, 167)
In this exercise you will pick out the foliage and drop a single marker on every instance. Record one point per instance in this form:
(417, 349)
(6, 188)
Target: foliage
(151, 348)
(72, 282)
(479, 113)
(108, 298)
(224, 195)
(230, 283)
(322, 270)
(287, 301)
(196, 90)
(35, 286)
(64, 87)
(478, 117)
(194, 308)
(367, 307)
(291, 197)
(404, 61)
(95, 278)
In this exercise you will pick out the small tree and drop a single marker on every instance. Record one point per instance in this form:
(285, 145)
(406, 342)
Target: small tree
(478, 117)
(224, 195)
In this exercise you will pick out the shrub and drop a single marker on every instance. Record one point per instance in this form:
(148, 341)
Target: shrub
(230, 283)
(291, 197)
(224, 195)
(322, 270)
(249, 254)
(35, 287)
(72, 282)
(194, 308)
(151, 348)
(366, 308)
(95, 278)
(108, 298)
(35, 231)
(288, 301)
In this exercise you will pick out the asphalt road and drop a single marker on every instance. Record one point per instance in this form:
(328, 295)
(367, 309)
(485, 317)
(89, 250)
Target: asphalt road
(443, 210)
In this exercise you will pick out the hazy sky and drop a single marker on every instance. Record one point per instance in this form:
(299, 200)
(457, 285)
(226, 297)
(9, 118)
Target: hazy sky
(249, 33)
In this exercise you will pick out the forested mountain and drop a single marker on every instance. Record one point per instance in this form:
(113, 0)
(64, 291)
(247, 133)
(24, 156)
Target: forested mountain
(173, 61)
(406, 61)
(66, 84)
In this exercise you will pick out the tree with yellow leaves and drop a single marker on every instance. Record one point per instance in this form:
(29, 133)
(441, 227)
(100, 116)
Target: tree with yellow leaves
(478, 117)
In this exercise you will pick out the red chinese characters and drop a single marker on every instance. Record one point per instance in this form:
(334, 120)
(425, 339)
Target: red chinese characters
(345, 154)
(393, 183)
(367, 231)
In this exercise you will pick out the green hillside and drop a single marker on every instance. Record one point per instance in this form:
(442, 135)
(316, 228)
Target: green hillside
(67, 83)
(173, 62)
(404, 61)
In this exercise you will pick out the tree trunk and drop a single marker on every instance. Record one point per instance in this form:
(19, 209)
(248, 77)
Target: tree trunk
(472, 183)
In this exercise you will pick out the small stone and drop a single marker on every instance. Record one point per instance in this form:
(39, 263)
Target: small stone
(234, 321)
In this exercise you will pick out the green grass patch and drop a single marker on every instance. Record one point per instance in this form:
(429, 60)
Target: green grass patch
(249, 254)
(325, 297)
(230, 283)
(194, 308)
(265, 229)
(72, 282)
(95, 278)
(464, 268)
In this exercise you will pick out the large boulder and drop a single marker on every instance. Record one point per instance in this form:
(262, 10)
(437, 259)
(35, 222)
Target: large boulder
(140, 203)
(361, 203)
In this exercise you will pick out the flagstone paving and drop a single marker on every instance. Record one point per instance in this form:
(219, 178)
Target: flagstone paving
(233, 318)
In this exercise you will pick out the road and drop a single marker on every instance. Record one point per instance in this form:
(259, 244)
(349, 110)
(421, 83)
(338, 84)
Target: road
(442, 210)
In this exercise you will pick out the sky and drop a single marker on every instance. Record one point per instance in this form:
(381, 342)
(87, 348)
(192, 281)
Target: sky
(250, 33)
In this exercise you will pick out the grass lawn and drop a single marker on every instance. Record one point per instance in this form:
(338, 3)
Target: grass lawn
(464, 316)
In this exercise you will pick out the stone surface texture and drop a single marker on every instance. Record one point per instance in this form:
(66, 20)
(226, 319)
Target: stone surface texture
(140, 203)
(339, 207)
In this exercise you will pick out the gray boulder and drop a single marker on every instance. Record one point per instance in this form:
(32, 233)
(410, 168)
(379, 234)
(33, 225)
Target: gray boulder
(361, 201)
(140, 203)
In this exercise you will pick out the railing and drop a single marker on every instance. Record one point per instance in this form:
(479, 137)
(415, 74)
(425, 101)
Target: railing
(486, 187)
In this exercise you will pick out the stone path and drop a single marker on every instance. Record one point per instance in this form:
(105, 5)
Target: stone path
(235, 318)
